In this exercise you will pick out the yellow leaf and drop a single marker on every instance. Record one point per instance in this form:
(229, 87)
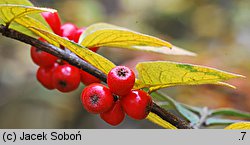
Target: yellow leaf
(157, 120)
(97, 26)
(9, 13)
(19, 2)
(161, 74)
(239, 125)
(29, 23)
(98, 35)
(95, 59)
(132, 43)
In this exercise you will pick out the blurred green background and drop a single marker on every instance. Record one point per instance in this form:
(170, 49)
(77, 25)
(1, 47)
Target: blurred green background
(218, 31)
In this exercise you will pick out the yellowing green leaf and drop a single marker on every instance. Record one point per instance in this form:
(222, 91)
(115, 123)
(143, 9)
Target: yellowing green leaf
(239, 125)
(9, 13)
(161, 74)
(95, 59)
(157, 120)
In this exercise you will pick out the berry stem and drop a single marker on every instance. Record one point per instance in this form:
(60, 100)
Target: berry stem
(80, 63)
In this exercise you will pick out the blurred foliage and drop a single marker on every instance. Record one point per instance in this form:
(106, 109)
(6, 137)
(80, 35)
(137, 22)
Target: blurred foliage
(218, 31)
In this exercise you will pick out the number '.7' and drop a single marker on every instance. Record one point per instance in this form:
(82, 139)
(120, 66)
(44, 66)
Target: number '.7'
(244, 133)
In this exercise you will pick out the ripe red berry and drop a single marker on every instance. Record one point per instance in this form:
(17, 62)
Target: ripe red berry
(115, 115)
(137, 104)
(97, 98)
(44, 76)
(78, 34)
(66, 78)
(121, 80)
(68, 30)
(94, 49)
(53, 20)
(88, 79)
(77, 37)
(42, 58)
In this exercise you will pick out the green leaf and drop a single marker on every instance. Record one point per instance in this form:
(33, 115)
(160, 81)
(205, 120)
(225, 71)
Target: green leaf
(161, 74)
(157, 120)
(95, 59)
(10, 13)
(219, 121)
(196, 110)
(230, 112)
(190, 116)
(239, 125)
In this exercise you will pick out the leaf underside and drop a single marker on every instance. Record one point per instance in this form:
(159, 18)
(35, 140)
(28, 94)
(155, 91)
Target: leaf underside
(220, 121)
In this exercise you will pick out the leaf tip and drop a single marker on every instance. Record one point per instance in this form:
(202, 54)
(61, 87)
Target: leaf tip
(184, 51)
(241, 76)
(226, 84)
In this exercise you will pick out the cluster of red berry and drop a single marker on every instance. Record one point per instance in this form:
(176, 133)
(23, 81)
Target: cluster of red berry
(54, 73)
(112, 103)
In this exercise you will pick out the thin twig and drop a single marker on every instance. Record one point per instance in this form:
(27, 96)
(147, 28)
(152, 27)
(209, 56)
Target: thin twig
(204, 114)
(169, 117)
(80, 63)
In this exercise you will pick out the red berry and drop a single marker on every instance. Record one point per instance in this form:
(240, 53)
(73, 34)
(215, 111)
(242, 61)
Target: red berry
(121, 80)
(115, 115)
(137, 104)
(78, 34)
(66, 78)
(97, 98)
(77, 37)
(68, 30)
(44, 76)
(94, 49)
(42, 58)
(53, 20)
(88, 79)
